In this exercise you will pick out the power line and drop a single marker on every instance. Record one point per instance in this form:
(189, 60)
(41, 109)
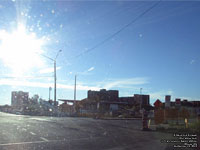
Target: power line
(120, 30)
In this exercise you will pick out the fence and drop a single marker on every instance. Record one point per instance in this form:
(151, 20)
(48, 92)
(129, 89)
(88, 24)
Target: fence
(165, 115)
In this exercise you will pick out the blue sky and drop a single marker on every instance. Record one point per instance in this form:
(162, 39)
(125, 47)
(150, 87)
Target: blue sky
(158, 53)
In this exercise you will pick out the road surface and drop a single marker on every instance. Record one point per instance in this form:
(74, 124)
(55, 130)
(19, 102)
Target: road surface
(18, 132)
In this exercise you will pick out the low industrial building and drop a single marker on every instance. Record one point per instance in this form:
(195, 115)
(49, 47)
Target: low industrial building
(105, 101)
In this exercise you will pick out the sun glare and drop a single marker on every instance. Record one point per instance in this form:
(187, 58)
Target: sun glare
(20, 50)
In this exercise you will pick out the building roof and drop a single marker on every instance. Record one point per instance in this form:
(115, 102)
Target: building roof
(110, 102)
(157, 103)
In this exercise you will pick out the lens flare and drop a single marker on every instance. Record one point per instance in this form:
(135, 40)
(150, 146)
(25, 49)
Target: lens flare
(20, 50)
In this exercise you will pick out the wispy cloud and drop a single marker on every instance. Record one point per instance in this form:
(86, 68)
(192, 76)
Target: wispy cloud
(192, 61)
(90, 69)
(48, 70)
(86, 72)
(124, 83)
(114, 83)
(44, 85)
(78, 87)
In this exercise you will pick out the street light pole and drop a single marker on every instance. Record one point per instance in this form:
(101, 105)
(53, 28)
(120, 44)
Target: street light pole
(54, 60)
(55, 78)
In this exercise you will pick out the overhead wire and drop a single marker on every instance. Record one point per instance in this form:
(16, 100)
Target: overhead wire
(118, 31)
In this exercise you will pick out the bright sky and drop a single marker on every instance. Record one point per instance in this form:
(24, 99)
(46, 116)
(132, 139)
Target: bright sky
(159, 52)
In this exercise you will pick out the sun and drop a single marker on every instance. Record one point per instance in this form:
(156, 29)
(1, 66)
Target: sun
(20, 50)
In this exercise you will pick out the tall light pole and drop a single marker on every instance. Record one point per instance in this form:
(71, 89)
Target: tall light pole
(54, 60)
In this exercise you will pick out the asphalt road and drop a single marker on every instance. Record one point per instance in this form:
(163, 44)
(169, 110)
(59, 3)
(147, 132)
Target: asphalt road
(18, 132)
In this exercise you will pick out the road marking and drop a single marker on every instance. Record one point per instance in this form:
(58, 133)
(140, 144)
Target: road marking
(23, 129)
(32, 133)
(39, 119)
(8, 144)
(47, 141)
(44, 139)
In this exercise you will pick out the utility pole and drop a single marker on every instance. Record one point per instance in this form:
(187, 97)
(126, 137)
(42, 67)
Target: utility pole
(54, 82)
(140, 98)
(75, 89)
(75, 93)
